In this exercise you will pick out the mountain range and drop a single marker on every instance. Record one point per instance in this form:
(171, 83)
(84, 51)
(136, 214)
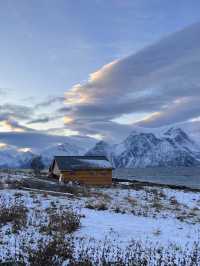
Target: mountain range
(142, 148)
(12, 157)
(145, 149)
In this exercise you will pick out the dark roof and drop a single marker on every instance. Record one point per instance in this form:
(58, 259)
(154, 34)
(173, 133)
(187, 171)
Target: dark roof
(82, 162)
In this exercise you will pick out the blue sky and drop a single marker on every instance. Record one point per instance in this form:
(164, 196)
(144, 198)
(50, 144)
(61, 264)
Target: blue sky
(48, 46)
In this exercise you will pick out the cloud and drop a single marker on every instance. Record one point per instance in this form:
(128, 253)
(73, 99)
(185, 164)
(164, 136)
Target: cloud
(3, 91)
(63, 110)
(14, 111)
(161, 81)
(13, 117)
(44, 119)
(18, 117)
(37, 141)
(181, 110)
(53, 108)
(50, 101)
(12, 126)
(34, 140)
(40, 120)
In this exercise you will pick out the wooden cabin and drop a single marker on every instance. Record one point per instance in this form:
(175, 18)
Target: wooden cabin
(90, 170)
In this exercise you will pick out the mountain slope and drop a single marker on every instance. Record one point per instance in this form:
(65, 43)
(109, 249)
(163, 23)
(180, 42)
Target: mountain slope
(101, 148)
(65, 149)
(11, 157)
(172, 148)
(74, 145)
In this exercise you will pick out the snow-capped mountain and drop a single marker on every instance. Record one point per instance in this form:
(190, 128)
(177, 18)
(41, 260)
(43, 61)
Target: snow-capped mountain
(144, 149)
(75, 145)
(15, 157)
(101, 148)
(67, 149)
(12, 157)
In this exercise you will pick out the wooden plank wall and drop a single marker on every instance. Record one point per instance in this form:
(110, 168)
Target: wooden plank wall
(90, 177)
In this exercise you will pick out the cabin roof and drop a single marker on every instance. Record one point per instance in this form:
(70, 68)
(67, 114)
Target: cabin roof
(82, 162)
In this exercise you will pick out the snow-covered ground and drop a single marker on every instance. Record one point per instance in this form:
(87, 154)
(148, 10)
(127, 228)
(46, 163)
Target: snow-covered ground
(126, 227)
(121, 213)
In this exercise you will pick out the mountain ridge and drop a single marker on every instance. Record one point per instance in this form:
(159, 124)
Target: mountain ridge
(174, 148)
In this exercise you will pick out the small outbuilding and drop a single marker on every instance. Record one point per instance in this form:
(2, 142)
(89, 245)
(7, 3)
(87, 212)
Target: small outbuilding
(91, 170)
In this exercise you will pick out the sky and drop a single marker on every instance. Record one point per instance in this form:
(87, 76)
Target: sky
(62, 67)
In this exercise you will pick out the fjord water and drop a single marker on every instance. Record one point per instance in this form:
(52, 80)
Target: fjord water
(177, 176)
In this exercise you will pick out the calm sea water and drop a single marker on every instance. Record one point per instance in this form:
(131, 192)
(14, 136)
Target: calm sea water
(179, 176)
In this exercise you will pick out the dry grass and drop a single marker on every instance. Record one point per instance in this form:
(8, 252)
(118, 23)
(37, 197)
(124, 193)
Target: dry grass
(65, 251)
(52, 253)
(99, 206)
(132, 201)
(157, 205)
(13, 212)
(61, 222)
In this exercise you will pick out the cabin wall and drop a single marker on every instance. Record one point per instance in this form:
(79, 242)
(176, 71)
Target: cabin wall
(56, 170)
(90, 177)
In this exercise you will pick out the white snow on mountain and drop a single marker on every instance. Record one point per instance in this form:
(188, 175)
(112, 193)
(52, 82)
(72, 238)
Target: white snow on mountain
(143, 148)
(12, 157)
(60, 150)
(101, 148)
(73, 146)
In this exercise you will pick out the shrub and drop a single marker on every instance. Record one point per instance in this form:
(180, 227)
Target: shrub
(37, 165)
(75, 190)
(65, 222)
(100, 206)
(173, 201)
(13, 212)
(89, 205)
(52, 253)
(131, 200)
(77, 252)
(157, 205)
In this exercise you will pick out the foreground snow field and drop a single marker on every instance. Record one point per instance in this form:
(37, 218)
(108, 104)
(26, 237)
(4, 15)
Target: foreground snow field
(121, 214)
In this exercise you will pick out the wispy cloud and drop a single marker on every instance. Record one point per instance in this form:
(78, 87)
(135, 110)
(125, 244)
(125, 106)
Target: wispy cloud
(21, 117)
(50, 101)
(45, 119)
(12, 126)
(15, 111)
